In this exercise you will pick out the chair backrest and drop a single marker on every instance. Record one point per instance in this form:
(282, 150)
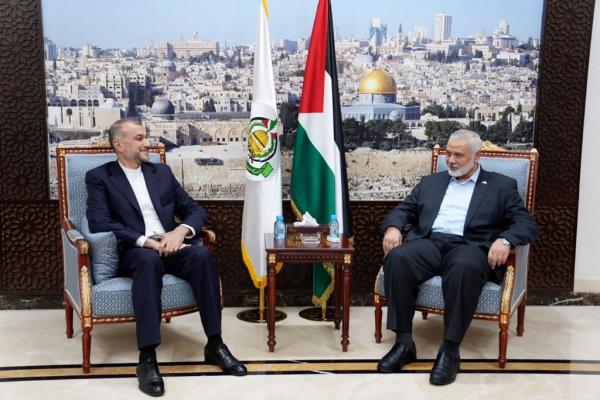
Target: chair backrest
(520, 165)
(72, 164)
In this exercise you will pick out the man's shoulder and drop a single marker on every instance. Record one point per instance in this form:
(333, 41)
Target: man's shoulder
(162, 168)
(158, 165)
(101, 170)
(435, 177)
(499, 178)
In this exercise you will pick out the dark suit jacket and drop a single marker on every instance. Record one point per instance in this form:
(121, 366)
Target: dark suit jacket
(496, 210)
(112, 206)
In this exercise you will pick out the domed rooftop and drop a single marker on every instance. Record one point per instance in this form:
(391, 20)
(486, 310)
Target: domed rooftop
(377, 81)
(162, 106)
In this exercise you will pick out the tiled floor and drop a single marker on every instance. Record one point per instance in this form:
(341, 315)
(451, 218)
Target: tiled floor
(557, 358)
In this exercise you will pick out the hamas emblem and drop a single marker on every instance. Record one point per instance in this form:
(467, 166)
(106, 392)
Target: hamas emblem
(262, 147)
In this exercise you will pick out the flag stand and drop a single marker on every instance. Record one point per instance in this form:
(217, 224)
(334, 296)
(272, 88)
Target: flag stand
(258, 315)
(322, 313)
(318, 313)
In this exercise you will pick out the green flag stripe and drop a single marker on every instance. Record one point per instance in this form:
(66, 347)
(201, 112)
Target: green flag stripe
(313, 190)
(322, 279)
(313, 182)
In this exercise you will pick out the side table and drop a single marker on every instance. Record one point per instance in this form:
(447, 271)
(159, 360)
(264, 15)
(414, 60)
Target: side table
(293, 251)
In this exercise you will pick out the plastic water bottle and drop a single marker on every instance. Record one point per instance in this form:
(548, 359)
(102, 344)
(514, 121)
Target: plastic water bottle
(279, 229)
(334, 228)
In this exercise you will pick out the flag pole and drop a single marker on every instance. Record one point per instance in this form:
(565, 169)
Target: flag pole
(262, 196)
(257, 315)
(319, 121)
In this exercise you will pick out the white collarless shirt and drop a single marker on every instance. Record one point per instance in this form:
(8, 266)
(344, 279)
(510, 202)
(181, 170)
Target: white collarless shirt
(140, 190)
(453, 210)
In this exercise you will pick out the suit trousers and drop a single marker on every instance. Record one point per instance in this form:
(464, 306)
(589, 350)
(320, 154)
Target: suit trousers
(464, 270)
(195, 264)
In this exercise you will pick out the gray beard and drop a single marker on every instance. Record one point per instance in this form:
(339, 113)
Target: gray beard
(461, 171)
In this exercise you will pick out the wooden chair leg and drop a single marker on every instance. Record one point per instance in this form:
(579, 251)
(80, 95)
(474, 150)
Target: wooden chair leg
(503, 343)
(378, 319)
(521, 317)
(86, 341)
(424, 314)
(167, 320)
(69, 318)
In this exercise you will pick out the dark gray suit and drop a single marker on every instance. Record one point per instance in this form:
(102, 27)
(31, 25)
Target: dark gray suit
(495, 210)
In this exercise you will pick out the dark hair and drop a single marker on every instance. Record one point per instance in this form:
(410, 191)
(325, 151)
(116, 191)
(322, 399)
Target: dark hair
(116, 129)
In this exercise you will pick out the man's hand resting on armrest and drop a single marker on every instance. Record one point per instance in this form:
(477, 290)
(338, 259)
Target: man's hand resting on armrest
(498, 253)
(392, 238)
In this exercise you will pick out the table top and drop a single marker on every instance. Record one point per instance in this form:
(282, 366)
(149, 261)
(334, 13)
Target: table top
(293, 243)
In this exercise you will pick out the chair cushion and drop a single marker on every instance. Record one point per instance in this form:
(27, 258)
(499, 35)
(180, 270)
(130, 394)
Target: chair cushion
(113, 297)
(430, 294)
(104, 255)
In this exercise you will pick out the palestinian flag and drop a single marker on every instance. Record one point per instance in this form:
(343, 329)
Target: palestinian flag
(319, 184)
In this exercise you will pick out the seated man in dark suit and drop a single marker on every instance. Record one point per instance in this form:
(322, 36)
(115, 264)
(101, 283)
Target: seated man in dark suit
(138, 201)
(462, 223)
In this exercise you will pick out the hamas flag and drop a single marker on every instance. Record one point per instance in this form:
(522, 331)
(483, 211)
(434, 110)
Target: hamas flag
(319, 184)
(262, 197)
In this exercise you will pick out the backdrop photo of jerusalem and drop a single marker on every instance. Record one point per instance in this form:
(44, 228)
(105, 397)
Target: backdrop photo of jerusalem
(406, 80)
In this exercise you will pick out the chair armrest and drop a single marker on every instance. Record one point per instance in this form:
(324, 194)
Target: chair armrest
(378, 288)
(521, 263)
(76, 268)
(209, 239)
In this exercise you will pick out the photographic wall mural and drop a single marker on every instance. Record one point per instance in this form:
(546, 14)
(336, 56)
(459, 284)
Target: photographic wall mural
(409, 74)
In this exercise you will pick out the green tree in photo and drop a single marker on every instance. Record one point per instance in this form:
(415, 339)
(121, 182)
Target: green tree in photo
(523, 132)
(439, 131)
(478, 127)
(412, 103)
(209, 106)
(353, 133)
(288, 115)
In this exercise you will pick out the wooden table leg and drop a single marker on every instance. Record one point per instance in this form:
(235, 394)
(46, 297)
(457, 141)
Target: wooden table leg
(346, 311)
(271, 317)
(338, 295)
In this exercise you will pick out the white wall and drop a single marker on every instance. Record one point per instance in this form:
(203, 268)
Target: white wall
(587, 258)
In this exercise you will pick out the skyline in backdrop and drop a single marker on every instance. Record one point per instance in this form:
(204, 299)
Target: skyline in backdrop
(138, 23)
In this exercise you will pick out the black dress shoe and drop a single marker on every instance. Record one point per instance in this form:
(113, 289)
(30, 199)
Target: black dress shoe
(222, 357)
(445, 369)
(150, 381)
(397, 357)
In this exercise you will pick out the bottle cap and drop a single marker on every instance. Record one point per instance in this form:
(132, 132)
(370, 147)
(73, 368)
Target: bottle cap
(279, 218)
(333, 217)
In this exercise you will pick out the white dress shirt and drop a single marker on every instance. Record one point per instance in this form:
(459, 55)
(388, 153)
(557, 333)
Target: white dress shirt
(151, 220)
(453, 210)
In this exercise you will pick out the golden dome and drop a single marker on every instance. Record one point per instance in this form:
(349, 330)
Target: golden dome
(377, 81)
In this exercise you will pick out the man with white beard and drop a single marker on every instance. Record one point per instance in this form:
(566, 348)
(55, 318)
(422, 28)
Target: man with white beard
(462, 224)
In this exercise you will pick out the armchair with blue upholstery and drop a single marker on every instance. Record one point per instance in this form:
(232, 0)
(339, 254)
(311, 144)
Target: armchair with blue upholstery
(498, 302)
(90, 260)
